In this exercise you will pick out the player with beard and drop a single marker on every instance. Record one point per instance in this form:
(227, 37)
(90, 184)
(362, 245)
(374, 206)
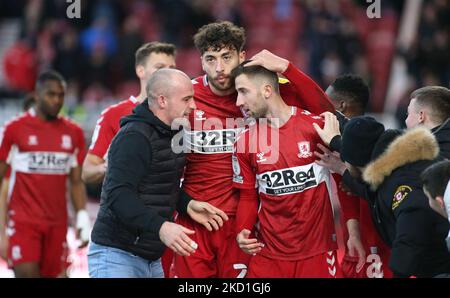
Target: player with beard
(274, 167)
(208, 174)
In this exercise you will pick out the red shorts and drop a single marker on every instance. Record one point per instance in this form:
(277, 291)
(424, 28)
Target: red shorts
(376, 266)
(320, 266)
(217, 255)
(166, 261)
(38, 243)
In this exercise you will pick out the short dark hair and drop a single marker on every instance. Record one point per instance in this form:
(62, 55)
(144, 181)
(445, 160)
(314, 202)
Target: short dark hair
(437, 98)
(153, 47)
(436, 177)
(256, 71)
(219, 35)
(351, 87)
(49, 75)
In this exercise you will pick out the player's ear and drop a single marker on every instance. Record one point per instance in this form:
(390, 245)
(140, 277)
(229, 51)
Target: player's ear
(140, 71)
(242, 55)
(202, 61)
(343, 106)
(267, 90)
(422, 116)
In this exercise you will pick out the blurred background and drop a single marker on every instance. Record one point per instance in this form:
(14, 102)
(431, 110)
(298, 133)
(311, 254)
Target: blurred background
(406, 48)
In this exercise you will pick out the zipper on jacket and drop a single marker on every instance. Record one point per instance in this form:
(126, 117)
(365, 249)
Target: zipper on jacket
(136, 241)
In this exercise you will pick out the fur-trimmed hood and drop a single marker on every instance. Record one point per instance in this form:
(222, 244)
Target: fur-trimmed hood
(414, 145)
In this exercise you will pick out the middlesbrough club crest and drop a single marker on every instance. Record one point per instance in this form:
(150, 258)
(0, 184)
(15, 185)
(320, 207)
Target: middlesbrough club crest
(32, 140)
(304, 150)
(66, 142)
(199, 115)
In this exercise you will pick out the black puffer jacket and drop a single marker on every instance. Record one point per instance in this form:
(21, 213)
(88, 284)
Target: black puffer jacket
(141, 188)
(442, 134)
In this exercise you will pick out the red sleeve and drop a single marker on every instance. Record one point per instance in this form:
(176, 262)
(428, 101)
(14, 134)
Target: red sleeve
(310, 95)
(103, 135)
(6, 142)
(244, 176)
(8, 173)
(247, 211)
(349, 203)
(80, 146)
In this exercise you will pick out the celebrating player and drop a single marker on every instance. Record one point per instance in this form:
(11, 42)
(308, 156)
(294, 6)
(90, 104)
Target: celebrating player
(208, 174)
(295, 234)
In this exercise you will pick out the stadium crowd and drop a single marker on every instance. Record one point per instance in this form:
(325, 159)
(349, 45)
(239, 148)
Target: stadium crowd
(254, 197)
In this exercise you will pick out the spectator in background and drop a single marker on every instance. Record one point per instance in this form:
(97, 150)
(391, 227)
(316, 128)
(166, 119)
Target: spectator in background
(182, 19)
(68, 53)
(97, 67)
(430, 106)
(227, 10)
(429, 53)
(436, 186)
(435, 181)
(20, 66)
(130, 41)
(175, 16)
(332, 40)
(101, 33)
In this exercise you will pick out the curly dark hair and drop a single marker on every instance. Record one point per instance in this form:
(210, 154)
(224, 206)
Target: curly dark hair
(219, 35)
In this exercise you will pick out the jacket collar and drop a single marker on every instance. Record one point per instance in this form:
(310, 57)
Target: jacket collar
(141, 113)
(441, 128)
(414, 145)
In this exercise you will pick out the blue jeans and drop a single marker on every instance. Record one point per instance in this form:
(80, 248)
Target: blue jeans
(110, 262)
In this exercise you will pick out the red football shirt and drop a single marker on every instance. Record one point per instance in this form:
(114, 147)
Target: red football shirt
(208, 174)
(295, 217)
(41, 155)
(8, 170)
(108, 125)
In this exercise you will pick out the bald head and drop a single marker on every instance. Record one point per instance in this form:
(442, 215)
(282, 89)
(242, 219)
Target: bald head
(170, 95)
(164, 82)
